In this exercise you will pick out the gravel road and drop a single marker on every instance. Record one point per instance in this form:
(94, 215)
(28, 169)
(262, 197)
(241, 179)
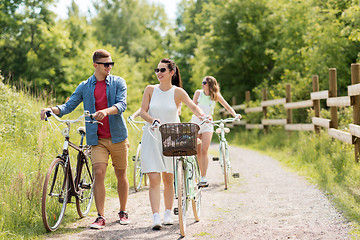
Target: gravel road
(266, 202)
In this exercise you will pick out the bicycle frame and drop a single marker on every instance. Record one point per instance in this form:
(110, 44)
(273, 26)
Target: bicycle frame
(74, 183)
(223, 147)
(188, 163)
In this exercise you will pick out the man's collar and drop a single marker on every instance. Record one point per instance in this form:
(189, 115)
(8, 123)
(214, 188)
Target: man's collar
(93, 79)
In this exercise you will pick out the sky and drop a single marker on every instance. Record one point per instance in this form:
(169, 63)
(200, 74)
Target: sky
(61, 9)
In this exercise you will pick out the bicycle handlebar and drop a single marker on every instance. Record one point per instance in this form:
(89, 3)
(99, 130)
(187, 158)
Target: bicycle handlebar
(226, 120)
(67, 121)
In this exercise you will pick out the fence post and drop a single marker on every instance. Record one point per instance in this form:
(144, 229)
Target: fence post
(264, 98)
(247, 98)
(289, 118)
(333, 93)
(355, 79)
(315, 82)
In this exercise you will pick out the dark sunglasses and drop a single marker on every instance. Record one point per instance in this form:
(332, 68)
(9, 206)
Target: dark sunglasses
(106, 64)
(204, 82)
(157, 70)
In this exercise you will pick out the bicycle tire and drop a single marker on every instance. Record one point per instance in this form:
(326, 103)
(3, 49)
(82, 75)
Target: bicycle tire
(85, 187)
(181, 178)
(224, 163)
(196, 201)
(55, 195)
(138, 175)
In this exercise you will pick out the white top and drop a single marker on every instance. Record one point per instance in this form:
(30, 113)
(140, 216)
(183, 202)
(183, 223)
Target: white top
(206, 103)
(162, 106)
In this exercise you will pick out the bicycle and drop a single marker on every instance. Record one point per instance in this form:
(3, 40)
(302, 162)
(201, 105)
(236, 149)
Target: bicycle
(61, 185)
(138, 175)
(224, 155)
(180, 140)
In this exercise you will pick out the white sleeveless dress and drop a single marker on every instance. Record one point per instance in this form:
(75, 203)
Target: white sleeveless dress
(162, 106)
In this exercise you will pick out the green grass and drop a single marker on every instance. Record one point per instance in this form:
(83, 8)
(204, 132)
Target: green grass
(27, 148)
(326, 162)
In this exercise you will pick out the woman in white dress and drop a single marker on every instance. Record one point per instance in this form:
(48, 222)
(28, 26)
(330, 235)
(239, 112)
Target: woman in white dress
(160, 104)
(206, 99)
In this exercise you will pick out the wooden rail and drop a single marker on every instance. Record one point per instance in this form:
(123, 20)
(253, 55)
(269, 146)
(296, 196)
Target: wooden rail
(332, 101)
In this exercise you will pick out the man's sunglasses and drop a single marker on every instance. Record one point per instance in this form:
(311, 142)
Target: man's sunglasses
(157, 70)
(204, 82)
(106, 64)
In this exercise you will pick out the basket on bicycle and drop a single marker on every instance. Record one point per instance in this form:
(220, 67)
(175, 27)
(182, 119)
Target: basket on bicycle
(179, 139)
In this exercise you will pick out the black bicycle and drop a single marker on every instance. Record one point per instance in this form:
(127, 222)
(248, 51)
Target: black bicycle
(61, 185)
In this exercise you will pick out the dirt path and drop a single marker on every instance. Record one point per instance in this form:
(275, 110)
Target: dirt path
(266, 202)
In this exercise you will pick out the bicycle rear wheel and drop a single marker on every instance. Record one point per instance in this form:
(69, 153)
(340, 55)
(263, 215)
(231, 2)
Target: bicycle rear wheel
(181, 194)
(138, 175)
(224, 164)
(54, 197)
(85, 186)
(196, 199)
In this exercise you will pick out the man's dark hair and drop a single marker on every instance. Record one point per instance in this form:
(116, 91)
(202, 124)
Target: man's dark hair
(100, 53)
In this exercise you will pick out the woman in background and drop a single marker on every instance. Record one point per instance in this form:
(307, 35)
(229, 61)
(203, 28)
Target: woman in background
(206, 99)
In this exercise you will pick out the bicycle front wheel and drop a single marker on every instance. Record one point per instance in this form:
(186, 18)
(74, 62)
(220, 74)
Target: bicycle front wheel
(138, 175)
(54, 197)
(196, 199)
(224, 164)
(181, 194)
(85, 186)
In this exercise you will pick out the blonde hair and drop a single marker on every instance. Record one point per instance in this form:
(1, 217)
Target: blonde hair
(214, 88)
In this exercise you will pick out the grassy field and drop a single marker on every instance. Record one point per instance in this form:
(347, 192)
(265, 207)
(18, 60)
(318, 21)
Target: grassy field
(27, 148)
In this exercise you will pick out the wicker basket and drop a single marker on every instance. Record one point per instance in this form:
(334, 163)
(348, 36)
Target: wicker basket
(179, 139)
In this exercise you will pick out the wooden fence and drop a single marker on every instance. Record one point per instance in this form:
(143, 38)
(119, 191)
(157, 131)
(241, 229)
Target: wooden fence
(332, 101)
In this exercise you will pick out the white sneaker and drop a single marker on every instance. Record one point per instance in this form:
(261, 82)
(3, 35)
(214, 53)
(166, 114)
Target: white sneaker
(203, 182)
(156, 221)
(167, 218)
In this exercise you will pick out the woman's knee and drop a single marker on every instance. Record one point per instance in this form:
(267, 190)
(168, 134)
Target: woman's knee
(168, 178)
(154, 179)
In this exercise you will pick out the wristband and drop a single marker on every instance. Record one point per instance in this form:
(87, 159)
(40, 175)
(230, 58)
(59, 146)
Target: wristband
(155, 121)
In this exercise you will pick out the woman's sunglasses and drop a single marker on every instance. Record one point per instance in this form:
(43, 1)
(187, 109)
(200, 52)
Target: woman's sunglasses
(157, 70)
(106, 64)
(204, 82)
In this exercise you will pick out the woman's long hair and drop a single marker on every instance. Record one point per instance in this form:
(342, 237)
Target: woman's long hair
(214, 88)
(176, 78)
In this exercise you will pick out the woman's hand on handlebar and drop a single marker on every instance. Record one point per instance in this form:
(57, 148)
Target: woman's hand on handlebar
(238, 117)
(156, 123)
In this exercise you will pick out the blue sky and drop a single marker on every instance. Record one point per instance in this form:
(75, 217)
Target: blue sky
(61, 6)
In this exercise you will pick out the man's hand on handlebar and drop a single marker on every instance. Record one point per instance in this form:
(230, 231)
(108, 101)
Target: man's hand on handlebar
(44, 113)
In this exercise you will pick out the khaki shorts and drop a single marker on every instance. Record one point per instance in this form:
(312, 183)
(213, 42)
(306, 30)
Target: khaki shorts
(118, 152)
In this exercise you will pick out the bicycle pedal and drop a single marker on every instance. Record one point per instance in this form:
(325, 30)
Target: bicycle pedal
(176, 211)
(236, 175)
(215, 159)
(85, 186)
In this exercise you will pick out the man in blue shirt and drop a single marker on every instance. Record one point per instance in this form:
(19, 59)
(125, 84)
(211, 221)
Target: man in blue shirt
(105, 96)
